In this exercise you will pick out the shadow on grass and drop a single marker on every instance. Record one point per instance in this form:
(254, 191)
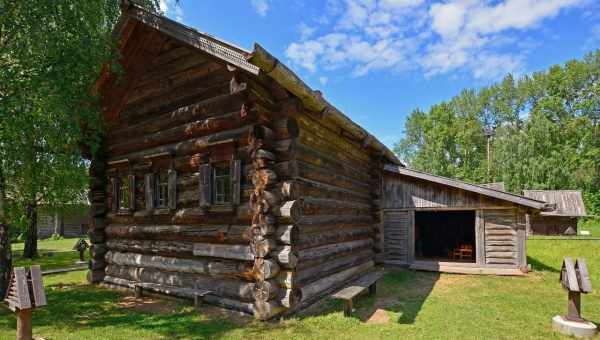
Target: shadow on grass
(400, 291)
(77, 308)
(537, 265)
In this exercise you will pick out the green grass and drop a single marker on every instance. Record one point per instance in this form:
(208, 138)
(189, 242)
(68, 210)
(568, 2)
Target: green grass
(53, 254)
(590, 224)
(419, 305)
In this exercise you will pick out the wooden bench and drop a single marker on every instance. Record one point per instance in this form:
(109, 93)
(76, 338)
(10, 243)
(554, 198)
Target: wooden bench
(348, 293)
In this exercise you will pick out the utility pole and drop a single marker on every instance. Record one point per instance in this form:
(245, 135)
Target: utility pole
(489, 133)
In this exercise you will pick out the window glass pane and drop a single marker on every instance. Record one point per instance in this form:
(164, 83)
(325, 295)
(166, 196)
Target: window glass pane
(222, 185)
(162, 190)
(124, 193)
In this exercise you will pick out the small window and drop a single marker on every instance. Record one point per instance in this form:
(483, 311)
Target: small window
(124, 194)
(222, 185)
(162, 190)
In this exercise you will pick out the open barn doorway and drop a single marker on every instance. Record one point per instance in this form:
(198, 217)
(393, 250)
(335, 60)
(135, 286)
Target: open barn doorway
(445, 236)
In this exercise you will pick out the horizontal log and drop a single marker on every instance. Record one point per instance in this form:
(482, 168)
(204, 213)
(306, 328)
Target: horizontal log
(334, 236)
(186, 293)
(501, 254)
(493, 260)
(324, 285)
(227, 121)
(216, 233)
(236, 289)
(206, 266)
(291, 210)
(500, 232)
(225, 251)
(310, 188)
(319, 206)
(188, 146)
(333, 177)
(332, 250)
(493, 248)
(151, 246)
(325, 160)
(511, 238)
(329, 266)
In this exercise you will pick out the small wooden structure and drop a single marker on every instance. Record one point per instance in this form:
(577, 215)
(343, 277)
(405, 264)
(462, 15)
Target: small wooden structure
(569, 208)
(575, 278)
(73, 221)
(25, 293)
(441, 224)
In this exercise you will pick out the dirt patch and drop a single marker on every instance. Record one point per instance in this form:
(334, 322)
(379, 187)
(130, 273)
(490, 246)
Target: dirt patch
(379, 317)
(449, 281)
(149, 305)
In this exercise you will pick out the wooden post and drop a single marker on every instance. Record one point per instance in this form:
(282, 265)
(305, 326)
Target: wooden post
(574, 306)
(24, 324)
(138, 292)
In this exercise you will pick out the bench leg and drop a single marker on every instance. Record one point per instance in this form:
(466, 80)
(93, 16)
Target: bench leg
(348, 306)
(138, 292)
(373, 289)
(197, 301)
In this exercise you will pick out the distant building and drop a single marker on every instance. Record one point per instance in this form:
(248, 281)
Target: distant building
(569, 208)
(71, 222)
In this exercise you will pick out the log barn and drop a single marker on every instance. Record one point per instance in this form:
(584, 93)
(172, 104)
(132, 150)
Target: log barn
(223, 175)
(569, 208)
(441, 224)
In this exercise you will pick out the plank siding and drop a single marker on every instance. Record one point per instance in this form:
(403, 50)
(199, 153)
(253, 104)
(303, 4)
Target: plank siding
(397, 227)
(501, 226)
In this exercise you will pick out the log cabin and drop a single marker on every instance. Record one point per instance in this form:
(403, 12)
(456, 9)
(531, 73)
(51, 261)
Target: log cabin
(563, 220)
(223, 175)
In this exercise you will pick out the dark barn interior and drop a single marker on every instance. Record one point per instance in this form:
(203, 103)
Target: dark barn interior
(445, 235)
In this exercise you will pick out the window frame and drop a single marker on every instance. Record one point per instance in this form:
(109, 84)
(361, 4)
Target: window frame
(160, 185)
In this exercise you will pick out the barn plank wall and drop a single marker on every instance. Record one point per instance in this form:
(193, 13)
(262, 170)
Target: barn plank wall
(184, 111)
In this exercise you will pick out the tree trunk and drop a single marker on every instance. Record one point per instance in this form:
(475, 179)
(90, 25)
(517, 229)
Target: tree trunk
(5, 250)
(31, 236)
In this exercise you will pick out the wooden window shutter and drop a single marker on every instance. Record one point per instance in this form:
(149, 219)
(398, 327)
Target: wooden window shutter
(205, 181)
(115, 194)
(131, 179)
(149, 190)
(172, 189)
(236, 177)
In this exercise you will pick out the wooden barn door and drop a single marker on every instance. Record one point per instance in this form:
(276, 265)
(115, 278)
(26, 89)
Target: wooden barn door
(398, 228)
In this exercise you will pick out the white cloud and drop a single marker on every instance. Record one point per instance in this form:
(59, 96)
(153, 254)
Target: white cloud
(323, 80)
(171, 9)
(479, 37)
(261, 7)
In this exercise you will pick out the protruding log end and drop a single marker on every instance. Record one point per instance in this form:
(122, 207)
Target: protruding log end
(267, 310)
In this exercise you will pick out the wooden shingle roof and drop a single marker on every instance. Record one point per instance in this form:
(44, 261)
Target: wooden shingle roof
(478, 189)
(568, 202)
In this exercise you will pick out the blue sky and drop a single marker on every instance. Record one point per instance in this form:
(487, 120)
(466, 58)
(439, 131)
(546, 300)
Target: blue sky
(377, 60)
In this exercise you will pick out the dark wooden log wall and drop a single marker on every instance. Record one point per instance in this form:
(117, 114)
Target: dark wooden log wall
(183, 111)
(329, 183)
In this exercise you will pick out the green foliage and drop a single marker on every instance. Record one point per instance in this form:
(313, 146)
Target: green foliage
(546, 132)
(51, 55)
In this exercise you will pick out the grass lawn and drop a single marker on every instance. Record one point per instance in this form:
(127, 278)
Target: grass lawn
(416, 305)
(53, 254)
